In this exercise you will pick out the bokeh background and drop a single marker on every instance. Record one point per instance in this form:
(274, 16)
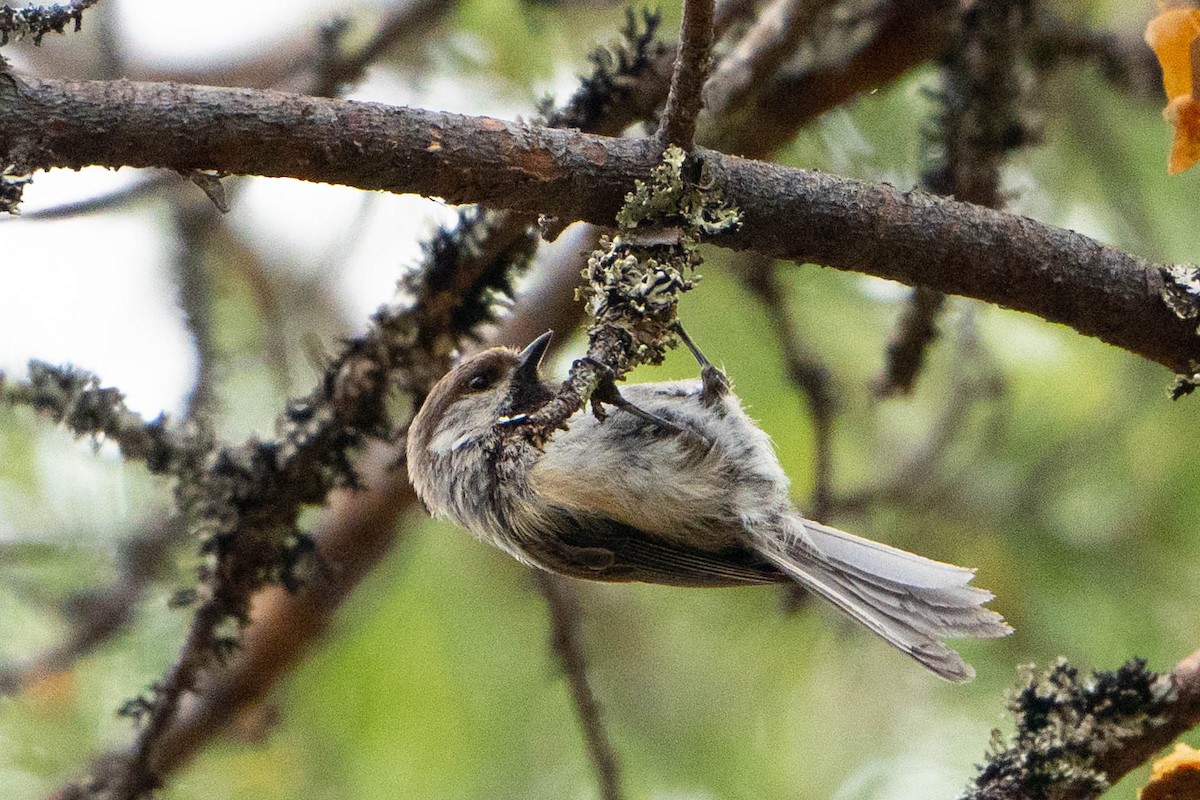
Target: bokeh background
(1068, 477)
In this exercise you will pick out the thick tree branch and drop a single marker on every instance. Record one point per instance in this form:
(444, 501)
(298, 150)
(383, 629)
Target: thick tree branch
(788, 213)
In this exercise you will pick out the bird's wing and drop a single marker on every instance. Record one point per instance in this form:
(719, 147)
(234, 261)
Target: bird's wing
(605, 550)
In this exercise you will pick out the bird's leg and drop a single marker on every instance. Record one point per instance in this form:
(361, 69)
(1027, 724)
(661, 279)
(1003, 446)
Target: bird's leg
(715, 384)
(607, 392)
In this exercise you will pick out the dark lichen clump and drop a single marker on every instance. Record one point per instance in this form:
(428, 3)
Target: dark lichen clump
(1066, 726)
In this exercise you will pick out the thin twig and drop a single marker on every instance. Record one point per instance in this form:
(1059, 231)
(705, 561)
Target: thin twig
(565, 621)
(403, 20)
(780, 27)
(145, 185)
(915, 333)
(678, 125)
(195, 225)
(982, 120)
(1124, 61)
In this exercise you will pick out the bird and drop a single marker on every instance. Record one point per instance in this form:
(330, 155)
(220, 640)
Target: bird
(676, 486)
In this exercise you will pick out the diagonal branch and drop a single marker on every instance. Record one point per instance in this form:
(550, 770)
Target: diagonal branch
(565, 617)
(789, 213)
(779, 29)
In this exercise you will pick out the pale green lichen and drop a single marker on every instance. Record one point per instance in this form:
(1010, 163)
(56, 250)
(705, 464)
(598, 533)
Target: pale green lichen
(635, 279)
(666, 200)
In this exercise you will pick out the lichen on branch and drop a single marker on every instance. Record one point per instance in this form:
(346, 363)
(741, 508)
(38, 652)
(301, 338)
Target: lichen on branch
(74, 398)
(36, 21)
(635, 278)
(1067, 725)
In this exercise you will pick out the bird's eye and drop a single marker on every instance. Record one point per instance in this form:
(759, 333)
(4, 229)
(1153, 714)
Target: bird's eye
(480, 381)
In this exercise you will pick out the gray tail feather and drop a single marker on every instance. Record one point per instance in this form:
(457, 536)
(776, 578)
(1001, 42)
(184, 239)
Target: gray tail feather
(910, 601)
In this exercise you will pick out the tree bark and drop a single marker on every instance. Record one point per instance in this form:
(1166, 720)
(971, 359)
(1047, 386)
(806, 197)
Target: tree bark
(789, 213)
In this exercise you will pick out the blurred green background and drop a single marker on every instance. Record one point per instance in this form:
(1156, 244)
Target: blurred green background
(1073, 490)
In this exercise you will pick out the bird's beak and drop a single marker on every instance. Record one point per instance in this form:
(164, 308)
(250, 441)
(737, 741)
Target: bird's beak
(529, 359)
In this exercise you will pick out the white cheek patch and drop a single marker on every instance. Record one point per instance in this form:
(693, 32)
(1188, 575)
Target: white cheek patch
(447, 440)
(456, 429)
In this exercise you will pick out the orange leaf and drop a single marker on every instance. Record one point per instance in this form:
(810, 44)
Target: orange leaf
(1174, 777)
(1170, 36)
(1174, 36)
(1185, 152)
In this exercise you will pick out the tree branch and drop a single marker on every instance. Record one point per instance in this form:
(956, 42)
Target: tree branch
(788, 213)
(678, 125)
(95, 617)
(779, 29)
(1077, 736)
(565, 617)
(37, 21)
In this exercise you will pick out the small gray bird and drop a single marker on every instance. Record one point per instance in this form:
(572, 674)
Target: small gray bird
(685, 491)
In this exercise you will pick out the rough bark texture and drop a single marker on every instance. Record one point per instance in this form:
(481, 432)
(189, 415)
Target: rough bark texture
(788, 213)
(1185, 715)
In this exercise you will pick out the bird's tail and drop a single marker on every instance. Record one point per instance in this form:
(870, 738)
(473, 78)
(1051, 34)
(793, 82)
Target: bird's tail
(911, 601)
